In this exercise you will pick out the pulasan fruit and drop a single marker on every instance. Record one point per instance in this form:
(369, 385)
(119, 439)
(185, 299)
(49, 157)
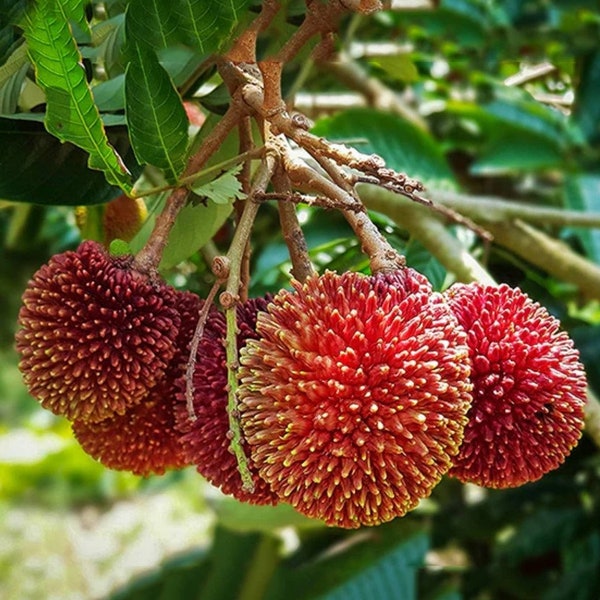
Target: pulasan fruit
(354, 398)
(96, 335)
(205, 437)
(529, 388)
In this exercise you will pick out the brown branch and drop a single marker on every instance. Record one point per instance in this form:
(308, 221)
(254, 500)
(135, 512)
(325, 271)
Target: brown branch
(244, 48)
(429, 229)
(246, 144)
(230, 297)
(377, 94)
(490, 209)
(195, 343)
(294, 238)
(548, 254)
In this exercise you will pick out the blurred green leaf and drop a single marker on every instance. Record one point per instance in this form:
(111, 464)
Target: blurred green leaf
(544, 531)
(41, 170)
(158, 124)
(419, 258)
(379, 563)
(586, 112)
(582, 192)
(107, 38)
(110, 94)
(71, 114)
(12, 74)
(10, 89)
(195, 226)
(400, 67)
(11, 12)
(521, 135)
(244, 517)
(587, 340)
(403, 146)
(214, 575)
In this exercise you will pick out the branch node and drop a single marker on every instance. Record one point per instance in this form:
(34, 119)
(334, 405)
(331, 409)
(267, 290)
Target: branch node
(228, 300)
(220, 267)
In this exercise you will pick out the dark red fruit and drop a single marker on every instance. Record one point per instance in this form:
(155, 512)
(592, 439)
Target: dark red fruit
(95, 334)
(529, 388)
(205, 438)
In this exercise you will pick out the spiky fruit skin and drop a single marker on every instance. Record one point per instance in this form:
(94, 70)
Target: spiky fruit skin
(143, 440)
(354, 398)
(529, 388)
(95, 334)
(206, 439)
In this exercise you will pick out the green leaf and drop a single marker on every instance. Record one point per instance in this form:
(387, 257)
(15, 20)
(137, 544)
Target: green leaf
(11, 13)
(14, 64)
(108, 38)
(419, 258)
(400, 67)
(587, 340)
(71, 114)
(244, 517)
(383, 564)
(110, 95)
(521, 134)
(10, 86)
(223, 189)
(74, 13)
(516, 150)
(582, 192)
(393, 572)
(152, 22)
(401, 144)
(586, 112)
(544, 531)
(221, 573)
(194, 227)
(119, 248)
(158, 124)
(39, 169)
(204, 25)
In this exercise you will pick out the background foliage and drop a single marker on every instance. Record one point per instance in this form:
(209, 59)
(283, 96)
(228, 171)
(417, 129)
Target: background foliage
(470, 116)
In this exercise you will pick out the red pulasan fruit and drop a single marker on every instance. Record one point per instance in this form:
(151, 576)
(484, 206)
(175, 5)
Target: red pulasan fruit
(143, 440)
(95, 334)
(354, 399)
(529, 388)
(205, 439)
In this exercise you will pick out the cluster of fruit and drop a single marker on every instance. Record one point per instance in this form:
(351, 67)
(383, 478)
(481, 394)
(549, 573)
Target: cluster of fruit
(356, 393)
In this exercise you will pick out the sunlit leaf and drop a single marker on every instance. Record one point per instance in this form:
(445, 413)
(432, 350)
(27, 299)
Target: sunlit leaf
(71, 114)
(204, 25)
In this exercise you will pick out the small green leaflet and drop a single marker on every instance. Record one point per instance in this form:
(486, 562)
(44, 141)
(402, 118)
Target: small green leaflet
(223, 189)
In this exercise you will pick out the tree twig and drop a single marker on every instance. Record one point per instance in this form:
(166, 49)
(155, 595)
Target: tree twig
(548, 254)
(490, 209)
(291, 230)
(195, 343)
(429, 229)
